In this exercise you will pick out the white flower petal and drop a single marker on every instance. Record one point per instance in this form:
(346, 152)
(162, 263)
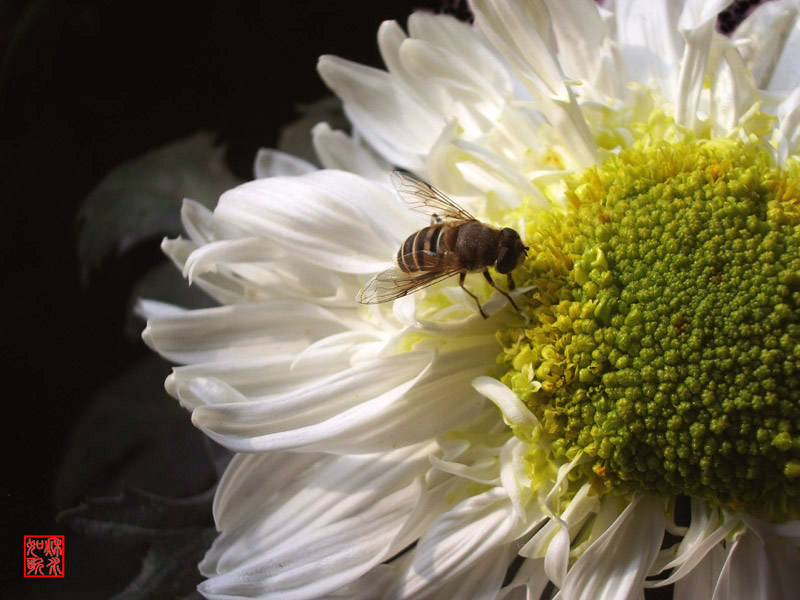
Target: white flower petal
(785, 75)
(483, 580)
(261, 376)
(207, 258)
(458, 89)
(335, 406)
(391, 402)
(273, 163)
(514, 411)
(178, 250)
(762, 37)
(367, 587)
(153, 309)
(570, 522)
(696, 23)
(496, 173)
(465, 42)
(614, 567)
(240, 331)
(789, 130)
(202, 228)
(700, 582)
(322, 491)
(329, 218)
(582, 43)
(483, 471)
(381, 111)
(651, 44)
(197, 221)
(337, 150)
(458, 541)
(521, 35)
(224, 288)
(704, 534)
(529, 582)
(733, 90)
(514, 476)
(758, 568)
(250, 480)
(322, 559)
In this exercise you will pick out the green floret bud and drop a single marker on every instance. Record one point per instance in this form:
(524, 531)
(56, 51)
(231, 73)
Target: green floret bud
(663, 338)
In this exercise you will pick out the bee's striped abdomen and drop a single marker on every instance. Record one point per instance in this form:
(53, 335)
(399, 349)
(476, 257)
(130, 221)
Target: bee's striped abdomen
(419, 248)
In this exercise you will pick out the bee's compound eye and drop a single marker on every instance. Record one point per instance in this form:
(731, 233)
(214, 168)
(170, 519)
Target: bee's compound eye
(510, 252)
(506, 260)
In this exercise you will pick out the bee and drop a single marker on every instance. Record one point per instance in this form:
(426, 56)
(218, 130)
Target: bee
(454, 243)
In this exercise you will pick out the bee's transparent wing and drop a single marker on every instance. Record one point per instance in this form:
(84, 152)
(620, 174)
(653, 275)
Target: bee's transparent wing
(426, 199)
(394, 283)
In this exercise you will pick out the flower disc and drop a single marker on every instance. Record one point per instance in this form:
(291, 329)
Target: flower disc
(665, 333)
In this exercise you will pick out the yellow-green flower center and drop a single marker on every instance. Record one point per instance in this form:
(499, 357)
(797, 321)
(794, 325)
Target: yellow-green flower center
(663, 339)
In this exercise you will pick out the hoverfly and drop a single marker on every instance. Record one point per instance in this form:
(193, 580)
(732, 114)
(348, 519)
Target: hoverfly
(454, 242)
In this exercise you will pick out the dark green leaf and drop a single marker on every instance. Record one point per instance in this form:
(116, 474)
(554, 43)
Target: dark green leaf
(136, 516)
(169, 569)
(142, 198)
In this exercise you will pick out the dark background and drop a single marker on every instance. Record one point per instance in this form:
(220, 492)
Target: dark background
(85, 86)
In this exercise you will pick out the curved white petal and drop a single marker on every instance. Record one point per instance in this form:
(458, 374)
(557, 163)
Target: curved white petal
(321, 559)
(529, 582)
(789, 130)
(224, 288)
(514, 411)
(651, 44)
(458, 541)
(337, 150)
(391, 402)
(251, 480)
(615, 565)
(323, 490)
(208, 257)
(340, 406)
(585, 51)
(261, 376)
(481, 582)
(700, 582)
(514, 475)
(521, 32)
(762, 37)
(273, 163)
(759, 568)
(240, 331)
(330, 218)
(785, 75)
(465, 42)
(381, 111)
(705, 533)
(696, 23)
(522, 35)
(197, 221)
(733, 90)
(553, 540)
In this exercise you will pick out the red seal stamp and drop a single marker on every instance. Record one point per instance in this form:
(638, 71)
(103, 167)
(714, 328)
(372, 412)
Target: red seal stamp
(43, 556)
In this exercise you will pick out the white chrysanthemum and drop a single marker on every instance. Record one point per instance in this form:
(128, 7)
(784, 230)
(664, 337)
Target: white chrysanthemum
(371, 464)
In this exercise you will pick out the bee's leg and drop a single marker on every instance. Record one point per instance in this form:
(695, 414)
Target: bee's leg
(511, 284)
(488, 278)
(435, 219)
(461, 279)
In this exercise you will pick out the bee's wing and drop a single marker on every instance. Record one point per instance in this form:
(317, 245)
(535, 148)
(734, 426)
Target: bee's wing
(394, 283)
(424, 198)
